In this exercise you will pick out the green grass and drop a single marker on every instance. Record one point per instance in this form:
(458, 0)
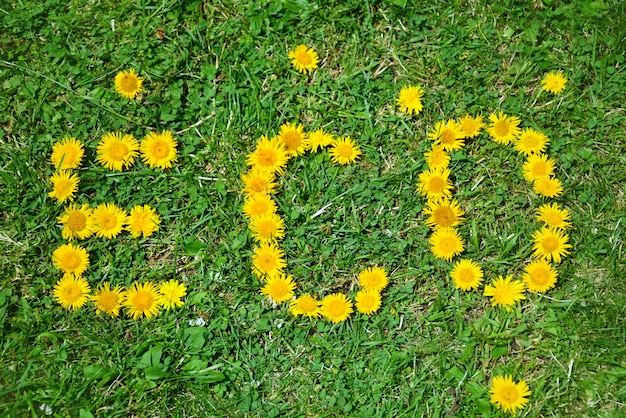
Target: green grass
(217, 74)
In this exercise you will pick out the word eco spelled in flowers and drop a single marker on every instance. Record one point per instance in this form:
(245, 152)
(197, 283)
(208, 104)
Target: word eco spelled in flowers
(116, 152)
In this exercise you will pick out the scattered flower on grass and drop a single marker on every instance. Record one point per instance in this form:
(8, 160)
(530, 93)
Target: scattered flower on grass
(258, 204)
(437, 158)
(293, 138)
(539, 276)
(109, 220)
(279, 289)
(268, 260)
(172, 293)
(446, 243)
(269, 154)
(158, 150)
(77, 222)
(553, 216)
(466, 274)
(267, 227)
(70, 258)
(142, 220)
(447, 134)
(550, 244)
(410, 99)
(128, 83)
(548, 186)
(67, 153)
(374, 278)
(107, 300)
(64, 186)
(538, 166)
(554, 82)
(304, 59)
(367, 301)
(435, 183)
(117, 151)
(258, 181)
(504, 291)
(531, 141)
(344, 151)
(72, 291)
(508, 395)
(142, 299)
(443, 213)
(336, 307)
(318, 139)
(305, 305)
(503, 128)
(471, 126)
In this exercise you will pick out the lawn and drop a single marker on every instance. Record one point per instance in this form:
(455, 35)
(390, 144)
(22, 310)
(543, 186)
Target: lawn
(218, 76)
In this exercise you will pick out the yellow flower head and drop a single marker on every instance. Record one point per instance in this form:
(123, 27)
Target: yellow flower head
(550, 244)
(531, 141)
(64, 186)
(336, 307)
(318, 139)
(435, 184)
(158, 150)
(447, 134)
(304, 59)
(373, 278)
(305, 305)
(508, 395)
(548, 186)
(77, 222)
(70, 258)
(142, 220)
(293, 138)
(257, 181)
(172, 293)
(117, 151)
(142, 299)
(267, 228)
(471, 125)
(279, 289)
(505, 291)
(67, 153)
(71, 291)
(107, 300)
(554, 82)
(270, 155)
(467, 274)
(258, 204)
(268, 260)
(128, 83)
(109, 220)
(446, 243)
(410, 99)
(437, 158)
(538, 166)
(553, 216)
(539, 276)
(444, 213)
(344, 151)
(503, 128)
(367, 301)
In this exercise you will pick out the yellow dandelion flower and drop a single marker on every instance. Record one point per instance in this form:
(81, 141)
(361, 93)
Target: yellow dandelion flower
(437, 158)
(374, 278)
(268, 260)
(304, 59)
(109, 220)
(508, 395)
(538, 166)
(446, 243)
(505, 291)
(531, 141)
(269, 155)
(258, 204)
(64, 186)
(447, 134)
(367, 301)
(293, 138)
(435, 184)
(158, 150)
(267, 227)
(172, 293)
(344, 151)
(116, 151)
(257, 181)
(550, 244)
(554, 82)
(305, 305)
(279, 289)
(553, 216)
(142, 299)
(503, 128)
(336, 307)
(539, 276)
(128, 83)
(142, 220)
(410, 99)
(71, 291)
(467, 274)
(70, 258)
(318, 139)
(77, 222)
(444, 213)
(67, 153)
(548, 186)
(471, 125)
(107, 300)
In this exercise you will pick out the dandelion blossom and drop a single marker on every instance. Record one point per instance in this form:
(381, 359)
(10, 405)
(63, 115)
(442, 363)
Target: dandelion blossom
(367, 301)
(446, 243)
(318, 139)
(158, 150)
(67, 153)
(505, 291)
(538, 166)
(444, 213)
(304, 59)
(109, 220)
(437, 158)
(447, 134)
(553, 216)
(142, 299)
(142, 220)
(258, 181)
(550, 244)
(269, 154)
(71, 291)
(531, 141)
(336, 307)
(77, 222)
(467, 274)
(279, 289)
(554, 82)
(539, 276)
(471, 125)
(503, 128)
(508, 395)
(373, 278)
(70, 258)
(107, 300)
(267, 227)
(64, 186)
(548, 186)
(305, 305)
(435, 183)
(293, 138)
(116, 151)
(268, 260)
(344, 151)
(172, 293)
(410, 99)
(128, 83)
